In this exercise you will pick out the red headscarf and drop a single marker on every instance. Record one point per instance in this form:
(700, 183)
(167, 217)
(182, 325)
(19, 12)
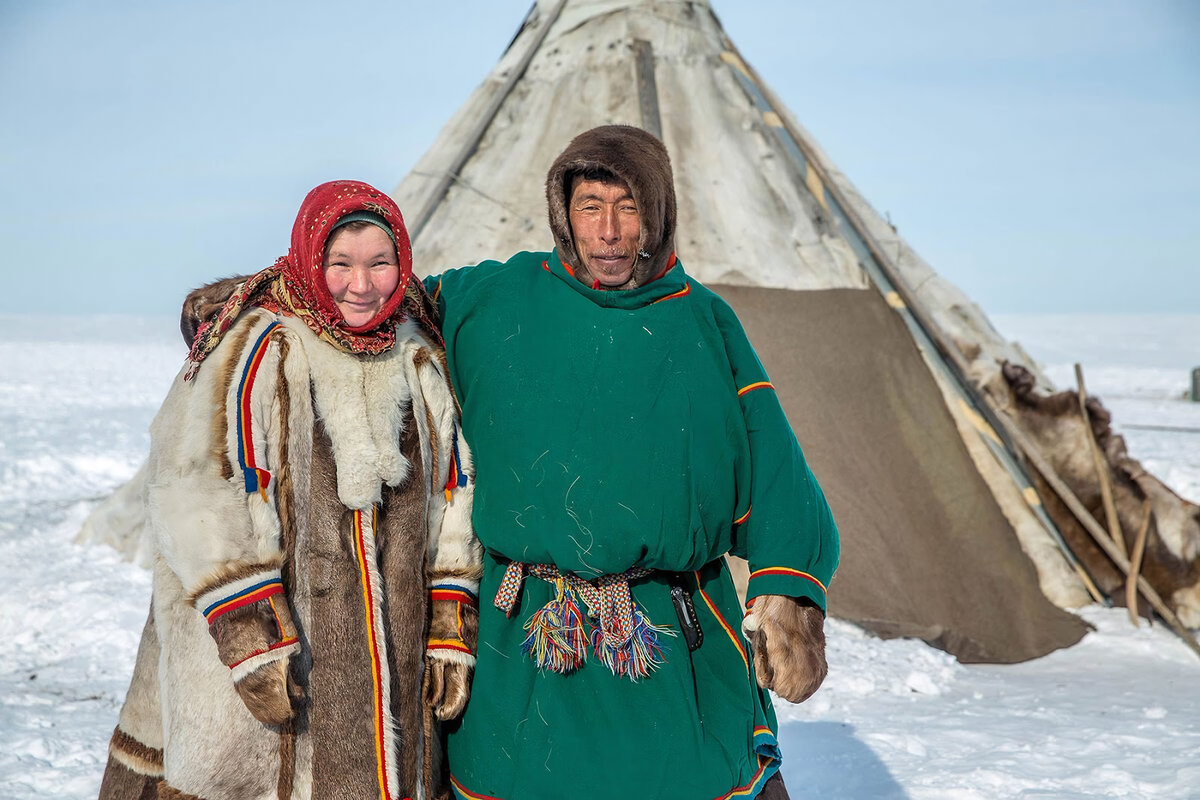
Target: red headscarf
(295, 284)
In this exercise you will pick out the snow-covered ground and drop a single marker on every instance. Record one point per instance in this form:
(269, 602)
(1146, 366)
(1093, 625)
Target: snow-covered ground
(1117, 716)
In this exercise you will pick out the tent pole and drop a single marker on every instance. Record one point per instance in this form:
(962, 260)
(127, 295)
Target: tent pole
(1098, 533)
(1106, 492)
(450, 174)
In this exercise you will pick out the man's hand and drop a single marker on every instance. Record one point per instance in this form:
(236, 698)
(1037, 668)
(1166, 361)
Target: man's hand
(788, 637)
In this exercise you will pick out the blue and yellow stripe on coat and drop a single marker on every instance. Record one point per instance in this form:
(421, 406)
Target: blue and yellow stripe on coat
(256, 478)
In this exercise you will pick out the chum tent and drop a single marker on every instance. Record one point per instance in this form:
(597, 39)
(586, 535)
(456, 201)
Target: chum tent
(938, 521)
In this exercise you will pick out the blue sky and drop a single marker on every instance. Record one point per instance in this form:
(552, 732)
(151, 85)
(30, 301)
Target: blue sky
(1041, 155)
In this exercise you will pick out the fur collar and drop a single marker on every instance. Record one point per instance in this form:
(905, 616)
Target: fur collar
(361, 400)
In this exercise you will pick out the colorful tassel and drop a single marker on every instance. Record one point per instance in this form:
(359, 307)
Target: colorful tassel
(556, 639)
(634, 654)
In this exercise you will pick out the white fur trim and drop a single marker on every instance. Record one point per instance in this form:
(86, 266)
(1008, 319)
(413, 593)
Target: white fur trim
(750, 621)
(450, 656)
(455, 582)
(452, 544)
(241, 670)
(139, 765)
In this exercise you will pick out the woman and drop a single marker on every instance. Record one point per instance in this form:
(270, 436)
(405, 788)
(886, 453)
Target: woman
(310, 503)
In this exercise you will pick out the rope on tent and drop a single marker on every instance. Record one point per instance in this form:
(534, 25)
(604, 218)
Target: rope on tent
(1166, 428)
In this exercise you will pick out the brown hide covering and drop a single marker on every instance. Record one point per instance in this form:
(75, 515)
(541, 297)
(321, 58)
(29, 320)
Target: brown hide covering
(1055, 423)
(926, 552)
(339, 707)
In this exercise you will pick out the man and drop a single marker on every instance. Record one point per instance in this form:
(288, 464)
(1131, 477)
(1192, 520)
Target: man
(625, 438)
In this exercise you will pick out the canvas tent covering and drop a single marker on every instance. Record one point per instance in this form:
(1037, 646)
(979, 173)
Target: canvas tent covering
(943, 538)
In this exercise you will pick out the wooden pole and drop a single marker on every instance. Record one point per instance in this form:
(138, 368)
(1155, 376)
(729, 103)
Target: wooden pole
(1093, 528)
(1106, 493)
(1135, 563)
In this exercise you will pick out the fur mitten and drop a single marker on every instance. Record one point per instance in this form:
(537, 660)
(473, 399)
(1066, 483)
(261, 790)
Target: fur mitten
(450, 651)
(265, 693)
(788, 637)
(250, 620)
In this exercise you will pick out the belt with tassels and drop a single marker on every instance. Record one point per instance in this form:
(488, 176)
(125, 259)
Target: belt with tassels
(622, 636)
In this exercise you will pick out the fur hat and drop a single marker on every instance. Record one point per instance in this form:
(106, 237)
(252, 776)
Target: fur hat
(637, 158)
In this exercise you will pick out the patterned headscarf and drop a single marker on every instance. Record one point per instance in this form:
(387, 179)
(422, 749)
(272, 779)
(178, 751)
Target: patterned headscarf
(295, 284)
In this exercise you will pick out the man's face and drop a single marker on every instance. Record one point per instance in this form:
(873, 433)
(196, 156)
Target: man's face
(605, 224)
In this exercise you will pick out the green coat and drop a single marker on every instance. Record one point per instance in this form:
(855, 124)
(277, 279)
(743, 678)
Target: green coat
(614, 429)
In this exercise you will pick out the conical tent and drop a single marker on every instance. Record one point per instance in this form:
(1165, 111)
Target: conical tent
(943, 538)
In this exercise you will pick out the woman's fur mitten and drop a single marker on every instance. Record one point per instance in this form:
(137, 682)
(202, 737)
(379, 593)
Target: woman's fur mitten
(788, 637)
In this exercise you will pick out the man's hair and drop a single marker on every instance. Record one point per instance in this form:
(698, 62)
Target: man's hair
(595, 173)
(591, 173)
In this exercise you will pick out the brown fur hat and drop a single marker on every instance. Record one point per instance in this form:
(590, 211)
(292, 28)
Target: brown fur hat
(637, 158)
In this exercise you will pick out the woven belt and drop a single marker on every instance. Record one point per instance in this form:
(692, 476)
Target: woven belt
(622, 636)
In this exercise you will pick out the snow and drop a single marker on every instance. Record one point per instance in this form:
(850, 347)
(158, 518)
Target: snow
(1116, 716)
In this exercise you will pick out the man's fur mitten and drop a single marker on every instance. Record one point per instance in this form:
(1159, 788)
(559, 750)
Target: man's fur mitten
(788, 637)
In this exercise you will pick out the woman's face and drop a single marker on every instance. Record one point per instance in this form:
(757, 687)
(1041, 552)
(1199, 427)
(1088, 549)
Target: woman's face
(361, 272)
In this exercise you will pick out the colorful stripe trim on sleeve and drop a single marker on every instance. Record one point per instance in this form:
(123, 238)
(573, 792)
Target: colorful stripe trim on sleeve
(256, 478)
(743, 517)
(244, 597)
(757, 780)
(453, 594)
(788, 572)
(756, 385)
(463, 791)
(733, 637)
(449, 644)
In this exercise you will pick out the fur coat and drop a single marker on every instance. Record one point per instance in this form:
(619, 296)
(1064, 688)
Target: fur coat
(310, 514)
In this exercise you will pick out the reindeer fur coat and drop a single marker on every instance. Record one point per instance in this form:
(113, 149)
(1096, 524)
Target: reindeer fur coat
(295, 494)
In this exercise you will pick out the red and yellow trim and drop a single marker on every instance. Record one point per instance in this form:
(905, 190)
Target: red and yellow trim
(787, 572)
(276, 646)
(467, 793)
(449, 644)
(733, 637)
(743, 517)
(684, 292)
(754, 786)
(381, 751)
(757, 385)
(453, 595)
